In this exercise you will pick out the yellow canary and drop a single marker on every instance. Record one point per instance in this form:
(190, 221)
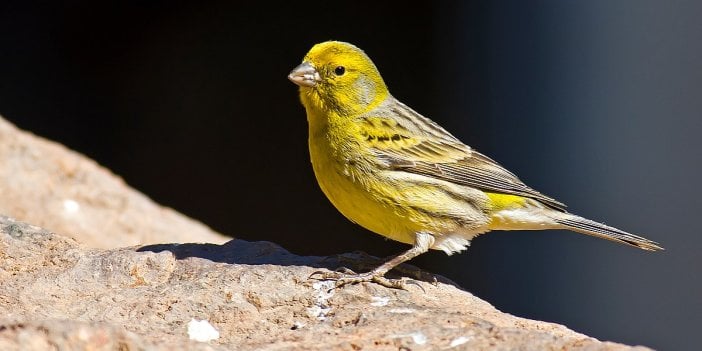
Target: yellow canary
(399, 174)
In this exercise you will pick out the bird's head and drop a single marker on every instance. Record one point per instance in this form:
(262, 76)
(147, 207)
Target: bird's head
(338, 77)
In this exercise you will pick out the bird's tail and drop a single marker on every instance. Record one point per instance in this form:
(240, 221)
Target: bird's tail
(585, 226)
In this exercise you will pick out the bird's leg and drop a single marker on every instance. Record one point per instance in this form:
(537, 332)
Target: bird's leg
(422, 243)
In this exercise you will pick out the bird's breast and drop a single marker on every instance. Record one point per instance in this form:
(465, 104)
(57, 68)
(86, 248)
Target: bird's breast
(355, 191)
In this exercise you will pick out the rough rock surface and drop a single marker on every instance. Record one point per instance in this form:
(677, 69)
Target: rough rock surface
(57, 293)
(44, 183)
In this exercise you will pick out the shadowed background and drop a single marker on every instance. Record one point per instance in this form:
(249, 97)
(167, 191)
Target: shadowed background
(597, 104)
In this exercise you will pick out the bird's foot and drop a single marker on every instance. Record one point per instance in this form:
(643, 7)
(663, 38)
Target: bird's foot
(344, 276)
(362, 261)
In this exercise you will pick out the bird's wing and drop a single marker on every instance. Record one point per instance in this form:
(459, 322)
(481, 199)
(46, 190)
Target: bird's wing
(406, 141)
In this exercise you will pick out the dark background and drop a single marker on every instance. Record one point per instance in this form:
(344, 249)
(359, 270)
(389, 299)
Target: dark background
(597, 103)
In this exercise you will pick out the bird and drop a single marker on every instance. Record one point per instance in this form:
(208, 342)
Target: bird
(399, 174)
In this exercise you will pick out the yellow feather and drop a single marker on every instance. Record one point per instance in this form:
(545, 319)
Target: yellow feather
(505, 201)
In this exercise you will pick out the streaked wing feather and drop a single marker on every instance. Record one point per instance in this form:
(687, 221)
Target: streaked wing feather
(439, 154)
(481, 175)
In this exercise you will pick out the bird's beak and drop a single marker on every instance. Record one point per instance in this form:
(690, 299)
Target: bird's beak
(305, 75)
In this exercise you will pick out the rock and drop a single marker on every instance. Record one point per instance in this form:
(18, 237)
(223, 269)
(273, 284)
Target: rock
(71, 335)
(44, 183)
(55, 291)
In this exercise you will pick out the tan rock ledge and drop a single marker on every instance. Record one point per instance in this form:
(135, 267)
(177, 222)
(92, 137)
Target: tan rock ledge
(256, 295)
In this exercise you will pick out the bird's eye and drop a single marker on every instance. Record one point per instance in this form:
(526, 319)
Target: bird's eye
(339, 70)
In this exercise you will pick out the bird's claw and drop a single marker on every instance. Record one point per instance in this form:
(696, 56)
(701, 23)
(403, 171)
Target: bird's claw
(344, 270)
(333, 275)
(344, 276)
